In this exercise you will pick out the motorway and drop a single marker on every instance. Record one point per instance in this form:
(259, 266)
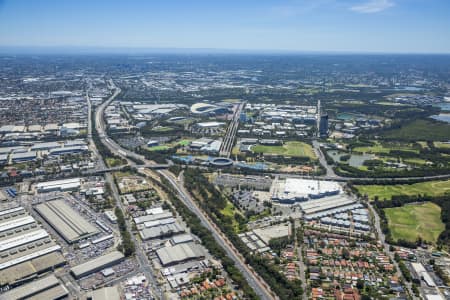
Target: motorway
(258, 285)
(228, 141)
(145, 266)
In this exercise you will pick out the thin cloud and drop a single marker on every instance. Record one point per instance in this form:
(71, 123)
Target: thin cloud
(372, 6)
(300, 7)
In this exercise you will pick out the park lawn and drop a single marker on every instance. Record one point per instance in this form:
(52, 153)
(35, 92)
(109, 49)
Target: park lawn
(442, 145)
(184, 142)
(229, 211)
(113, 162)
(411, 221)
(415, 161)
(379, 148)
(158, 148)
(235, 150)
(422, 130)
(291, 148)
(430, 188)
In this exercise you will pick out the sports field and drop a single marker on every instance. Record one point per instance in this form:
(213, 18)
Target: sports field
(431, 188)
(411, 221)
(158, 148)
(292, 148)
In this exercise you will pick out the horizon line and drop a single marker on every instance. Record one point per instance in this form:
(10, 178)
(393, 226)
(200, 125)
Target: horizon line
(70, 49)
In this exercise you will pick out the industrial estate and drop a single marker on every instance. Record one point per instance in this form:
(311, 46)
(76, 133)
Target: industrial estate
(228, 177)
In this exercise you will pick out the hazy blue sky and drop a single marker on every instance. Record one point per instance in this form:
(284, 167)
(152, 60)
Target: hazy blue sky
(300, 25)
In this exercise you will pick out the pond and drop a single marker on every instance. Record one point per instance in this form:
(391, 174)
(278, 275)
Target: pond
(443, 117)
(356, 160)
(445, 106)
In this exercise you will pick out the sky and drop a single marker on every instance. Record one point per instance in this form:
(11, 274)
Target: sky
(387, 26)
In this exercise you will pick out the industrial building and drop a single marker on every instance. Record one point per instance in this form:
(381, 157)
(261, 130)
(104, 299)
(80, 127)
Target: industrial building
(97, 264)
(106, 293)
(153, 217)
(44, 288)
(421, 273)
(181, 238)
(65, 220)
(172, 255)
(319, 205)
(59, 185)
(26, 249)
(111, 216)
(23, 156)
(68, 150)
(291, 190)
(159, 231)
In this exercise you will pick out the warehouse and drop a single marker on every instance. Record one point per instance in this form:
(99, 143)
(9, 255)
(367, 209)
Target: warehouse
(68, 150)
(59, 185)
(106, 293)
(23, 156)
(422, 273)
(44, 146)
(315, 206)
(160, 231)
(150, 218)
(65, 220)
(3, 158)
(97, 264)
(173, 255)
(44, 288)
(181, 239)
(25, 249)
(14, 223)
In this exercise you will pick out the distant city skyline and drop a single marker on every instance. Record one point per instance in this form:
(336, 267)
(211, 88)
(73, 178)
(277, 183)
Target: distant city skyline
(356, 26)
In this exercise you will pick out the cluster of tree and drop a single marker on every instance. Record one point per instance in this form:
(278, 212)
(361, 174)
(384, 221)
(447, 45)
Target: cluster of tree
(274, 277)
(127, 246)
(280, 243)
(175, 169)
(380, 172)
(405, 271)
(328, 158)
(159, 156)
(213, 201)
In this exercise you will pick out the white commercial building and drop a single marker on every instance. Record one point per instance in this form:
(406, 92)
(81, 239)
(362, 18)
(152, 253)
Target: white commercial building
(292, 190)
(59, 185)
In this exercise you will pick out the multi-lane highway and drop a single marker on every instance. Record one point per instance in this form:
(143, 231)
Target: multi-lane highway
(258, 285)
(230, 135)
